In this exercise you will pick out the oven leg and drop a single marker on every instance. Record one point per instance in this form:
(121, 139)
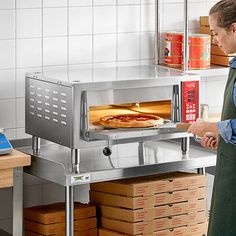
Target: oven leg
(201, 171)
(69, 210)
(141, 153)
(75, 160)
(185, 144)
(36, 144)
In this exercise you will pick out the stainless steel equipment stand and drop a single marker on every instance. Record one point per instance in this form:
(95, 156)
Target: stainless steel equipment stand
(52, 164)
(185, 144)
(17, 201)
(141, 153)
(69, 196)
(36, 144)
(201, 171)
(75, 160)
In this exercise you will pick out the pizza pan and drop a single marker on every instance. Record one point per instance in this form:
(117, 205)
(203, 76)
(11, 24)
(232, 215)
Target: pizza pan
(166, 125)
(138, 128)
(99, 126)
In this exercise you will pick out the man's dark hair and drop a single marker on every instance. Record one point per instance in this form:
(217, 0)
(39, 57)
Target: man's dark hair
(225, 11)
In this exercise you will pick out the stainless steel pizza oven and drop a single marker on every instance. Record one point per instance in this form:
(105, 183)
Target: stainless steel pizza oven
(65, 109)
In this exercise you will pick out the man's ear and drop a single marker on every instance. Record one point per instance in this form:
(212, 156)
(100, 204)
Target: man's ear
(234, 27)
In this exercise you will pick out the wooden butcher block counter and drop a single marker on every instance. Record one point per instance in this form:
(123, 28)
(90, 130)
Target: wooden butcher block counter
(11, 175)
(8, 163)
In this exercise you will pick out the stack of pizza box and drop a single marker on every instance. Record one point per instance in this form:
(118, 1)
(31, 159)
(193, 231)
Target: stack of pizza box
(160, 205)
(218, 57)
(50, 220)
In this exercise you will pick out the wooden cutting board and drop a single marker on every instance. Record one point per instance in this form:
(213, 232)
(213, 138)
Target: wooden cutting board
(8, 163)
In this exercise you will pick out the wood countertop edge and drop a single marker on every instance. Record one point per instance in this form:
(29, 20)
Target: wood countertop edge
(14, 159)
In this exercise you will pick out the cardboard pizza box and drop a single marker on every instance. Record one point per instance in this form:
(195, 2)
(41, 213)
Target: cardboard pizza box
(179, 208)
(130, 187)
(89, 232)
(55, 213)
(107, 232)
(204, 20)
(58, 228)
(221, 60)
(205, 30)
(195, 230)
(180, 231)
(216, 50)
(130, 215)
(179, 221)
(149, 185)
(146, 227)
(179, 196)
(122, 201)
(196, 217)
(197, 205)
(174, 181)
(198, 229)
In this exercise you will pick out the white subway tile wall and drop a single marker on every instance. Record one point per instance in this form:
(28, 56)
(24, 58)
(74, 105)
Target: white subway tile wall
(41, 34)
(44, 35)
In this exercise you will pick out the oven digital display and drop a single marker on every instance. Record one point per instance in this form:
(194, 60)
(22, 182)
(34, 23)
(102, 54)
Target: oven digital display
(190, 101)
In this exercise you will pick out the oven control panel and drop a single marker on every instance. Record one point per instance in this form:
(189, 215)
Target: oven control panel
(190, 101)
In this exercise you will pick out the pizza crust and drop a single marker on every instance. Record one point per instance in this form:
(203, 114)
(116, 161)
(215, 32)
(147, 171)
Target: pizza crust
(131, 121)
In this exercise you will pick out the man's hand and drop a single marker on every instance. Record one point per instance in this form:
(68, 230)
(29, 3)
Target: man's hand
(199, 128)
(210, 141)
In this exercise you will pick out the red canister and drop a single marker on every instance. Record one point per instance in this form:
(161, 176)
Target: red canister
(199, 51)
(173, 49)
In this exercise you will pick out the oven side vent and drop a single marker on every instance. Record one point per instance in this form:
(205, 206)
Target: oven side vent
(48, 111)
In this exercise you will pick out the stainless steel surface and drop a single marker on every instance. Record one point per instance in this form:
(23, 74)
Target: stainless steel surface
(75, 160)
(185, 144)
(48, 110)
(115, 74)
(157, 32)
(176, 104)
(141, 153)
(201, 171)
(210, 170)
(17, 201)
(25, 142)
(69, 196)
(119, 136)
(186, 33)
(36, 144)
(161, 156)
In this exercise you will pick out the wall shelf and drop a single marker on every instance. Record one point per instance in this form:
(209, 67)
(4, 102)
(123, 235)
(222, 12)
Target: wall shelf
(215, 70)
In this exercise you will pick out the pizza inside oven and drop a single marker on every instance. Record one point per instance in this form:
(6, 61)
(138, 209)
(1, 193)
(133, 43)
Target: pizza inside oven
(131, 121)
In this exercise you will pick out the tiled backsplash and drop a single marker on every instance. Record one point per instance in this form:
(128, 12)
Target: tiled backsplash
(42, 35)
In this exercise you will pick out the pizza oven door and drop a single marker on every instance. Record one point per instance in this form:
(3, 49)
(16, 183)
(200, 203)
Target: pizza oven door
(163, 101)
